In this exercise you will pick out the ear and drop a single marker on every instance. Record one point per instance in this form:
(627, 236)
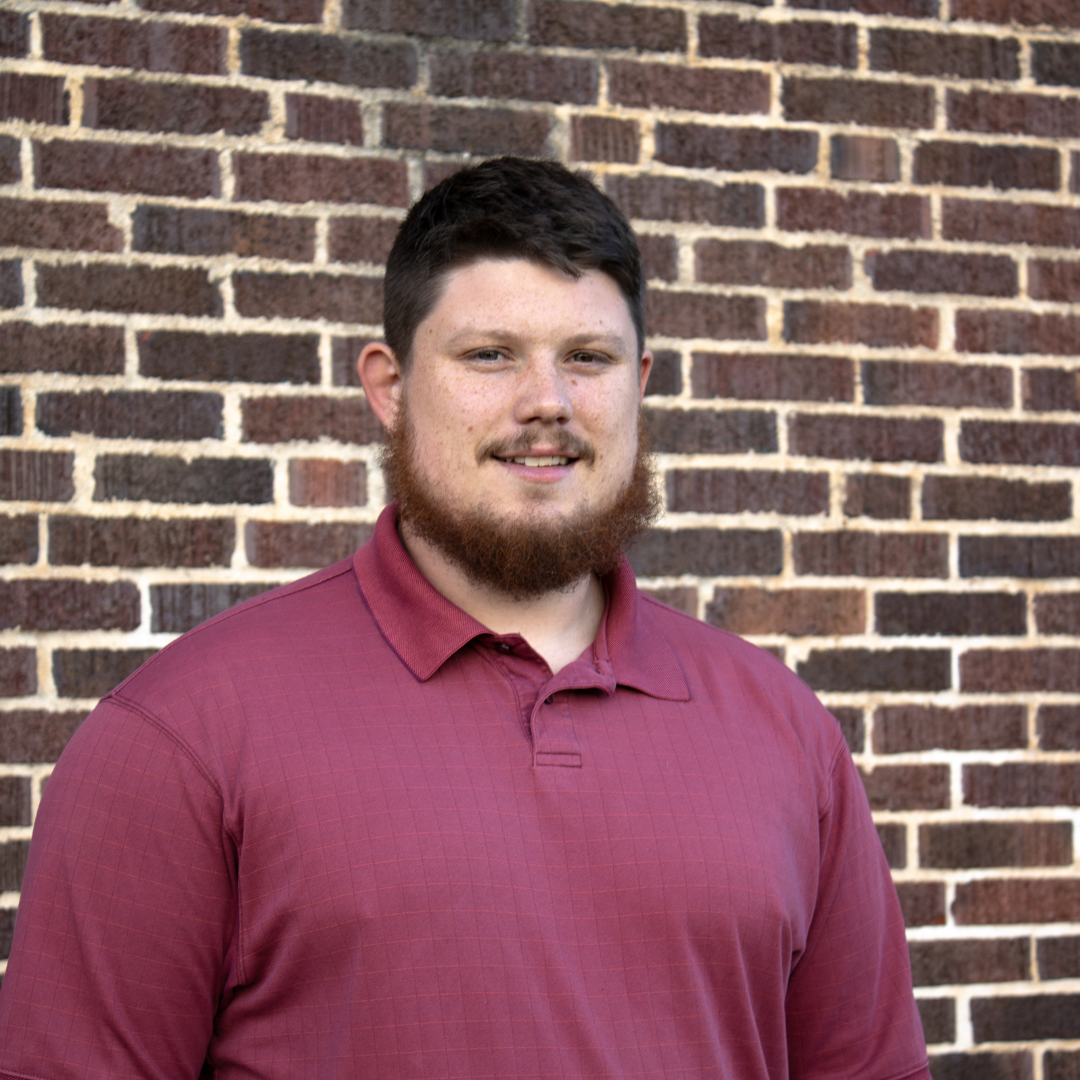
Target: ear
(646, 368)
(380, 375)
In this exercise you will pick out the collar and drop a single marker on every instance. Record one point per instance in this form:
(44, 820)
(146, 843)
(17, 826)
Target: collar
(425, 629)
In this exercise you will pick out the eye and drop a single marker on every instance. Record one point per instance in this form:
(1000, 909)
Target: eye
(489, 355)
(588, 359)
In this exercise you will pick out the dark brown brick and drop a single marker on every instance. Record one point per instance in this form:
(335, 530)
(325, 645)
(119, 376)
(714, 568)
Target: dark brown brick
(858, 101)
(827, 43)
(861, 212)
(130, 414)
(1028, 1016)
(893, 839)
(772, 377)
(951, 614)
(604, 138)
(326, 58)
(325, 482)
(121, 167)
(11, 413)
(853, 726)
(865, 437)
(968, 56)
(319, 119)
(1016, 114)
(922, 902)
(18, 539)
(706, 431)
(157, 46)
(893, 382)
(141, 541)
(938, 1016)
(83, 350)
(32, 735)
(1058, 727)
(36, 476)
(1010, 223)
(10, 166)
(863, 554)
(151, 289)
(318, 178)
(659, 257)
(666, 374)
(907, 787)
(1020, 444)
(11, 289)
(122, 105)
(796, 612)
(1061, 1065)
(996, 1066)
(283, 11)
(938, 271)
(14, 806)
(972, 165)
(1011, 670)
(1056, 63)
(270, 358)
(863, 157)
(705, 315)
(875, 495)
(476, 20)
(39, 98)
(760, 149)
(715, 90)
(362, 239)
(14, 33)
(734, 491)
(183, 230)
(915, 9)
(18, 672)
(13, 855)
(668, 198)
(1019, 556)
(879, 670)
(309, 419)
(1074, 171)
(335, 297)
(747, 262)
(1058, 957)
(513, 75)
(69, 605)
(680, 598)
(977, 498)
(178, 608)
(977, 960)
(68, 226)
(876, 325)
(971, 844)
(1023, 900)
(708, 552)
(903, 729)
(1049, 280)
(1025, 783)
(606, 26)
(1017, 332)
(297, 544)
(90, 673)
(1058, 613)
(137, 477)
(343, 356)
(450, 128)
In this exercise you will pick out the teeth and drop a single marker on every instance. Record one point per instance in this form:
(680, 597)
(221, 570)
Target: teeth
(534, 462)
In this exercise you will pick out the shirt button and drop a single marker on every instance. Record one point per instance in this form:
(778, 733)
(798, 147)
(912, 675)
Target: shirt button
(505, 646)
(549, 700)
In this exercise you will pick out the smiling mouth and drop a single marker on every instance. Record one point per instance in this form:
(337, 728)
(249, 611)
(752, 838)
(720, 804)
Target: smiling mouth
(540, 462)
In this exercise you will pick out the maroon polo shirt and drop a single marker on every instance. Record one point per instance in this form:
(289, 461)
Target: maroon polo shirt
(344, 831)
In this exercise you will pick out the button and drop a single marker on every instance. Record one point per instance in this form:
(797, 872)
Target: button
(505, 646)
(549, 700)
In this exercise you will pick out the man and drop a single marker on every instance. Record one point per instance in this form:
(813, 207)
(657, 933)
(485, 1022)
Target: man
(467, 804)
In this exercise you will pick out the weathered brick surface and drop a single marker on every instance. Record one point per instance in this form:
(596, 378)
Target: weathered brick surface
(875, 496)
(697, 146)
(729, 491)
(298, 178)
(865, 438)
(283, 419)
(797, 612)
(793, 41)
(864, 554)
(880, 670)
(485, 74)
(1005, 1066)
(137, 477)
(903, 729)
(300, 545)
(18, 538)
(1058, 613)
(934, 963)
(75, 540)
(189, 231)
(938, 1017)
(708, 552)
(159, 290)
(336, 297)
(1022, 784)
(177, 608)
(331, 120)
(772, 377)
(326, 58)
(1019, 556)
(36, 476)
(864, 157)
(18, 672)
(932, 271)
(892, 382)
(485, 20)
(974, 165)
(1021, 444)
(131, 414)
(858, 101)
(73, 226)
(1049, 389)
(811, 322)
(196, 110)
(949, 614)
(89, 673)
(620, 26)
(1058, 957)
(907, 787)
(733, 431)
(749, 263)
(974, 499)
(703, 89)
(83, 350)
(69, 605)
(453, 128)
(1058, 727)
(257, 358)
(996, 843)
(670, 198)
(320, 482)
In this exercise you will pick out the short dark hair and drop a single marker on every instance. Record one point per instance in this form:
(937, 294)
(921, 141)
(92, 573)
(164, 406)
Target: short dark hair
(508, 207)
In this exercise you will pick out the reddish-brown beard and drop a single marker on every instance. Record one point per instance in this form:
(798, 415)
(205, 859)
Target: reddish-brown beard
(522, 559)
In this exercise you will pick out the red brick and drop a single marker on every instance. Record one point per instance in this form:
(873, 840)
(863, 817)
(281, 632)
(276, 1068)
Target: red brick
(968, 56)
(1023, 784)
(1058, 613)
(1024, 12)
(11, 412)
(659, 257)
(1019, 556)
(880, 670)
(327, 58)
(797, 612)
(1051, 389)
(156, 46)
(513, 75)
(179, 608)
(36, 476)
(865, 437)
(1024, 1017)
(362, 239)
(121, 167)
(14, 33)
(915, 9)
(309, 419)
(715, 90)
(905, 729)
(184, 230)
(18, 538)
(971, 844)
(318, 119)
(860, 212)
(473, 20)
(297, 544)
(1074, 172)
(680, 598)
(1010, 223)
(734, 491)
(972, 165)
(10, 166)
(666, 374)
(1020, 444)
(1049, 280)
(604, 138)
(13, 855)
(15, 809)
(707, 552)
(67, 225)
(907, 787)
(863, 554)
(893, 382)
(1015, 114)
(262, 358)
(668, 198)
(938, 1016)
(858, 101)
(863, 157)
(772, 377)
(1058, 727)
(826, 43)
(283, 11)
(18, 672)
(942, 963)
(140, 541)
(1016, 900)
(451, 128)
(69, 605)
(344, 352)
(39, 98)
(759, 149)
(335, 297)
(747, 262)
(1063, 1065)
(121, 105)
(136, 477)
(606, 26)
(704, 315)
(853, 727)
(1000, 671)
(90, 673)
(11, 285)
(325, 482)
(110, 287)
(315, 178)
(949, 613)
(877, 325)
(33, 735)
(922, 902)
(706, 431)
(875, 495)
(969, 498)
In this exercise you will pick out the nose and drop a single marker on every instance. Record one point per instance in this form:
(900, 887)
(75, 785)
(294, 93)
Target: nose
(543, 394)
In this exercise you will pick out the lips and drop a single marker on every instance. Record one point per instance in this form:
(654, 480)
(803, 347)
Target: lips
(540, 462)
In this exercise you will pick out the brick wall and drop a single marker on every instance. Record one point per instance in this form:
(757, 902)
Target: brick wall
(861, 220)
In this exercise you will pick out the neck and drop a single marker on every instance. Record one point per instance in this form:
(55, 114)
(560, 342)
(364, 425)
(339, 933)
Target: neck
(557, 625)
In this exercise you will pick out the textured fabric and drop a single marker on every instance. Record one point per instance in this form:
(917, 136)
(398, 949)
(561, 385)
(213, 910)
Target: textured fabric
(344, 831)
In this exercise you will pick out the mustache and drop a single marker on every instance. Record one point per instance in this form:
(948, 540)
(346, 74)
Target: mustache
(564, 443)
